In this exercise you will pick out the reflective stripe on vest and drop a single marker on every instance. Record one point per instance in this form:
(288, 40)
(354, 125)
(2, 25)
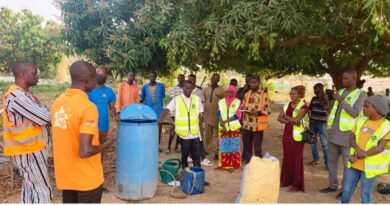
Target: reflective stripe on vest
(262, 121)
(297, 129)
(347, 122)
(228, 113)
(186, 121)
(377, 164)
(21, 139)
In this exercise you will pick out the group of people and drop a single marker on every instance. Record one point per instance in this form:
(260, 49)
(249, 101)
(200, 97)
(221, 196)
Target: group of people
(358, 132)
(209, 122)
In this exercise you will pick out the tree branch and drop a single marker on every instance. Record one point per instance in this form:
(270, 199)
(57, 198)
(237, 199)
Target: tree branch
(309, 39)
(279, 74)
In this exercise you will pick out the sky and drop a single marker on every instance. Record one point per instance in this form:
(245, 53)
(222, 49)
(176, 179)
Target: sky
(44, 8)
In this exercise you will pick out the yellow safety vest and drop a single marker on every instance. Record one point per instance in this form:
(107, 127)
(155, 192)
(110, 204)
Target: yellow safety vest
(227, 113)
(20, 139)
(186, 120)
(377, 164)
(297, 129)
(346, 122)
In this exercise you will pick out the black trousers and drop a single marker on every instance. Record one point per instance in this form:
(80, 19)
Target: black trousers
(190, 147)
(252, 140)
(85, 197)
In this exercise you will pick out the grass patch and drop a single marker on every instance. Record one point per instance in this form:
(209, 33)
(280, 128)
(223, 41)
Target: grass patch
(46, 93)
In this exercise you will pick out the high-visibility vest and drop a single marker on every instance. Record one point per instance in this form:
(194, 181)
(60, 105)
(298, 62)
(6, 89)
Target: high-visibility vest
(186, 119)
(377, 164)
(262, 121)
(346, 122)
(297, 129)
(21, 139)
(227, 113)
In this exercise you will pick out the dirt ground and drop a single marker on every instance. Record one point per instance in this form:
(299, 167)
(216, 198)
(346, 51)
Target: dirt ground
(224, 185)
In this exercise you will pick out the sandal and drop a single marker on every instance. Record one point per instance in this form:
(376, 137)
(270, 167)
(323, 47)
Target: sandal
(206, 163)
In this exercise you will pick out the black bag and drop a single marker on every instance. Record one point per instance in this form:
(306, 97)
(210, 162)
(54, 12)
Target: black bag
(308, 137)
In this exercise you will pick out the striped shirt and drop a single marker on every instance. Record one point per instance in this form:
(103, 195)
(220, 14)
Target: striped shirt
(317, 112)
(175, 91)
(21, 104)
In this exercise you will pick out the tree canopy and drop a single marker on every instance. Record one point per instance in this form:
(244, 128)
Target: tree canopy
(24, 36)
(116, 34)
(279, 37)
(270, 37)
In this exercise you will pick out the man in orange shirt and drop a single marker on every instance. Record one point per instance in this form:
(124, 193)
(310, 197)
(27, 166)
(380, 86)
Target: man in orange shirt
(76, 148)
(128, 92)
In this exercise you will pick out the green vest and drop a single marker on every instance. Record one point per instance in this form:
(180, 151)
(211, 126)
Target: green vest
(377, 164)
(228, 113)
(297, 129)
(346, 122)
(186, 121)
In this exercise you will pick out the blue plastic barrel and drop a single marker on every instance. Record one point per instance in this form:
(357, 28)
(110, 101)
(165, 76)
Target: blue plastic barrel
(137, 153)
(188, 181)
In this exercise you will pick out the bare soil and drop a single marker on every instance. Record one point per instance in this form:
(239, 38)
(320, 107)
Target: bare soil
(224, 185)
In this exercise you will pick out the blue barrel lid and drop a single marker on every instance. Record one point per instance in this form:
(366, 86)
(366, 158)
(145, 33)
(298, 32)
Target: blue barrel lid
(137, 112)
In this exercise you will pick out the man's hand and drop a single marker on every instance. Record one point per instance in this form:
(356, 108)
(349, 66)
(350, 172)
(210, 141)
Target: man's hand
(337, 96)
(253, 111)
(353, 158)
(326, 97)
(361, 154)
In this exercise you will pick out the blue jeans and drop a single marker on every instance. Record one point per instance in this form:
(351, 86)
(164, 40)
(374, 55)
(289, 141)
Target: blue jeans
(351, 178)
(319, 128)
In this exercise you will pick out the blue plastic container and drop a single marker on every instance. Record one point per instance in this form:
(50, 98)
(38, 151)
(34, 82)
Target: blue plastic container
(188, 181)
(137, 153)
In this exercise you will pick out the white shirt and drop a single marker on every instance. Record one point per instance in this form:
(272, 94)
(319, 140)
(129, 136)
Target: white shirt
(199, 92)
(187, 101)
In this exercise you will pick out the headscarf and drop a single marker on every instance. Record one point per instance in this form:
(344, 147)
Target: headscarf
(229, 100)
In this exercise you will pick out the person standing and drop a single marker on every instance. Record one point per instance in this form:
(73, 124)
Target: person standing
(153, 94)
(199, 92)
(212, 94)
(104, 98)
(387, 96)
(347, 107)
(257, 109)
(175, 91)
(25, 134)
(368, 155)
(370, 92)
(241, 91)
(318, 112)
(229, 130)
(128, 92)
(76, 147)
(292, 116)
(188, 111)
(233, 82)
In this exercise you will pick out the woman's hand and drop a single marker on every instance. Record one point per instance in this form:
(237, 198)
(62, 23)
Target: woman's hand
(223, 123)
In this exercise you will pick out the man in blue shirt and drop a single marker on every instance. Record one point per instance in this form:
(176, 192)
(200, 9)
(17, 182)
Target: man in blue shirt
(153, 94)
(104, 98)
